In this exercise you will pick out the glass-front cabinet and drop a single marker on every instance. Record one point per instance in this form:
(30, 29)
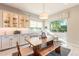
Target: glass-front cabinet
(1, 19)
(23, 21)
(14, 21)
(11, 19)
(7, 19)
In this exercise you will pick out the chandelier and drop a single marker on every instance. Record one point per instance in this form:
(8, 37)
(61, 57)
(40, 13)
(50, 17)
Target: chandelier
(43, 15)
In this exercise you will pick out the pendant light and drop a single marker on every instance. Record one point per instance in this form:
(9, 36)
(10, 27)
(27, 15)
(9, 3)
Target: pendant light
(43, 15)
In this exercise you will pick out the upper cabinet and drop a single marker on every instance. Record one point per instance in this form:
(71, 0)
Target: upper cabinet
(15, 20)
(1, 18)
(27, 22)
(7, 19)
(23, 21)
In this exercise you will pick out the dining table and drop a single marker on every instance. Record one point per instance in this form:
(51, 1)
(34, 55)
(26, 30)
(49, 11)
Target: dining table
(49, 46)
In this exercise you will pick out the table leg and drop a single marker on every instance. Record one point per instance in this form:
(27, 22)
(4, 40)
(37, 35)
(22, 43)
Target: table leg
(58, 50)
(50, 43)
(35, 49)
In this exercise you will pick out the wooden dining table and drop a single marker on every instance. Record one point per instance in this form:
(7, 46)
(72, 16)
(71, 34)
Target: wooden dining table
(51, 45)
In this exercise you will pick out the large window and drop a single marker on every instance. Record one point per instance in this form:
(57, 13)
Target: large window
(35, 26)
(58, 26)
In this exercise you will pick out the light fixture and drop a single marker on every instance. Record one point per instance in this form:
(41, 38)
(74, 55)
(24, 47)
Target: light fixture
(43, 15)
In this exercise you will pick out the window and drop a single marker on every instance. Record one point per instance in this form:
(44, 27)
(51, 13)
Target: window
(32, 23)
(58, 26)
(35, 26)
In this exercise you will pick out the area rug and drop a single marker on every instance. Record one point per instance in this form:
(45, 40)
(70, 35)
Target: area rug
(63, 52)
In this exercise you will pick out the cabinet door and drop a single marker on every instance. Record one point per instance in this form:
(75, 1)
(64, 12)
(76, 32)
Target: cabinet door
(21, 21)
(10, 40)
(14, 20)
(0, 42)
(7, 19)
(26, 22)
(1, 18)
(14, 40)
(5, 42)
(22, 39)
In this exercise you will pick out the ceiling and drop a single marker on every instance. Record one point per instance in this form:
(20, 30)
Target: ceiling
(37, 8)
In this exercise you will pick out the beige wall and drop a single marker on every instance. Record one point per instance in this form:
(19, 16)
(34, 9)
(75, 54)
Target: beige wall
(73, 24)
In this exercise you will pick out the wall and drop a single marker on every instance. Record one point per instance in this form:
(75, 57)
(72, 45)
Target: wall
(73, 24)
(15, 10)
(9, 31)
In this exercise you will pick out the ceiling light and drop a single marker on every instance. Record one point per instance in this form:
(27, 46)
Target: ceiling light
(43, 15)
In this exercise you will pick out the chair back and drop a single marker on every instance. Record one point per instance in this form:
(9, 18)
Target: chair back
(18, 48)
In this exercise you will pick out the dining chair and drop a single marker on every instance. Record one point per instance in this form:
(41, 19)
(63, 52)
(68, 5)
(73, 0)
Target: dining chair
(24, 51)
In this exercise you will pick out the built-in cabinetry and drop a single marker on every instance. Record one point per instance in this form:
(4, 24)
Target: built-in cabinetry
(0, 42)
(14, 20)
(23, 21)
(10, 19)
(9, 41)
(7, 19)
(14, 40)
(22, 37)
(5, 42)
(1, 22)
